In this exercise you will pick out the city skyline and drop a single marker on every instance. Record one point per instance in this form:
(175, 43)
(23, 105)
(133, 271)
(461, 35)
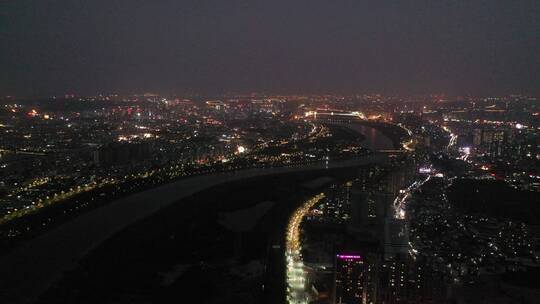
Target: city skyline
(269, 152)
(431, 194)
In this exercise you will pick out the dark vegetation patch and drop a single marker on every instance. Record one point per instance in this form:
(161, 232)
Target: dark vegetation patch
(495, 198)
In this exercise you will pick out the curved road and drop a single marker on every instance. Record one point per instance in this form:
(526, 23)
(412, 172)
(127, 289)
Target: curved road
(27, 271)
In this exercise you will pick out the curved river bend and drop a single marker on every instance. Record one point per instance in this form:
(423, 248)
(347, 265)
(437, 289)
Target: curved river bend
(29, 270)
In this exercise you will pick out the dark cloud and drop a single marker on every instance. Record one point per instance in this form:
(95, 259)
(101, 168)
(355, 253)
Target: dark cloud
(52, 47)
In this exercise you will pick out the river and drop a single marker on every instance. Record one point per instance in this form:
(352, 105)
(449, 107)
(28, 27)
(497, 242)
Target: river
(27, 271)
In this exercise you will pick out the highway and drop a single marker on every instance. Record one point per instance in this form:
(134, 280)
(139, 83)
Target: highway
(29, 270)
(295, 272)
(400, 208)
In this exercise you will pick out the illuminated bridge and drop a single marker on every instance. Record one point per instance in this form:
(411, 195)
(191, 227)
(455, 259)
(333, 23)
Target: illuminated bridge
(357, 121)
(335, 115)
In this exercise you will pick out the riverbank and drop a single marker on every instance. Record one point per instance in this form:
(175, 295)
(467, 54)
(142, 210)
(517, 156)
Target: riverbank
(393, 132)
(128, 266)
(28, 223)
(30, 269)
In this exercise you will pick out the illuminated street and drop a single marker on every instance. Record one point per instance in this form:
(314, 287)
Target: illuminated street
(24, 266)
(295, 275)
(269, 152)
(400, 202)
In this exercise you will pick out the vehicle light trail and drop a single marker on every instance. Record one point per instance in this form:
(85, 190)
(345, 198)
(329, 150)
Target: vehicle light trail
(401, 200)
(295, 274)
(400, 207)
(453, 137)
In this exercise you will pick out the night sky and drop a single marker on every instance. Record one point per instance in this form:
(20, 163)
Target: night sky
(280, 46)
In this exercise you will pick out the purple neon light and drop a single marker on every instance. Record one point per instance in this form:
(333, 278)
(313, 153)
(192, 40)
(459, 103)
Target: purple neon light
(347, 257)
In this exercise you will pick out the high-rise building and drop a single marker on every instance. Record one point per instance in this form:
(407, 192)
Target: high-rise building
(395, 277)
(355, 279)
(403, 280)
(477, 137)
(383, 207)
(349, 279)
(359, 208)
(396, 237)
(337, 202)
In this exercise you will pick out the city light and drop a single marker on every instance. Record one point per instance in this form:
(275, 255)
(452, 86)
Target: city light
(295, 272)
(294, 152)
